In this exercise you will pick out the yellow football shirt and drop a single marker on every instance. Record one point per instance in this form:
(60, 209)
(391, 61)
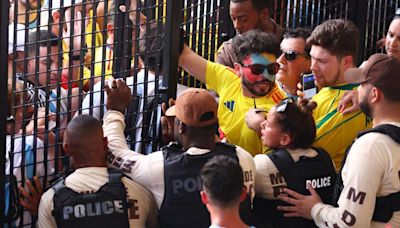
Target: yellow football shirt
(336, 132)
(233, 106)
(107, 61)
(98, 42)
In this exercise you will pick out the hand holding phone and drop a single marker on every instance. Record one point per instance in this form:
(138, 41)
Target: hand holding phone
(309, 87)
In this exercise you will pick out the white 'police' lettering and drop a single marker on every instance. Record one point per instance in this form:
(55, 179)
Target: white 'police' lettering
(319, 182)
(93, 209)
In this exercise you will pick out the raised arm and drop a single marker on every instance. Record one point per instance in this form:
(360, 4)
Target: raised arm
(193, 63)
(120, 156)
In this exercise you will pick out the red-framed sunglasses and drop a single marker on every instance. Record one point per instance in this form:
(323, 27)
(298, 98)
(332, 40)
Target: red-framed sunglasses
(258, 69)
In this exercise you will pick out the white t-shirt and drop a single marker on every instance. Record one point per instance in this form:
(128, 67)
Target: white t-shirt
(90, 180)
(372, 169)
(148, 170)
(26, 159)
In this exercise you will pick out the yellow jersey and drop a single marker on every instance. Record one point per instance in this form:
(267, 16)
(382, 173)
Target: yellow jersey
(336, 132)
(107, 61)
(98, 42)
(233, 106)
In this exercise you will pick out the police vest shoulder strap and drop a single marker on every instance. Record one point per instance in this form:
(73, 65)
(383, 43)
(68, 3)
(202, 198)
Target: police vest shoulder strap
(61, 193)
(283, 162)
(172, 146)
(114, 184)
(225, 145)
(114, 176)
(387, 129)
(325, 156)
(59, 185)
(226, 149)
(171, 149)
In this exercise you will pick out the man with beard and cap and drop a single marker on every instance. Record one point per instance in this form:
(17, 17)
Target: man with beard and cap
(250, 85)
(247, 15)
(367, 192)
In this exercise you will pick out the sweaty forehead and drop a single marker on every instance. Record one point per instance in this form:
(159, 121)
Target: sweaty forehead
(263, 59)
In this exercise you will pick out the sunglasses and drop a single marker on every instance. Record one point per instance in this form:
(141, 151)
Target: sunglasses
(258, 69)
(281, 107)
(292, 55)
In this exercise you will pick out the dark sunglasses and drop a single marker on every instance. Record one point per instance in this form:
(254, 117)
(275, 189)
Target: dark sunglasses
(292, 55)
(258, 69)
(281, 107)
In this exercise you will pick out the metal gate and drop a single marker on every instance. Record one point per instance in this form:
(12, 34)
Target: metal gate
(207, 24)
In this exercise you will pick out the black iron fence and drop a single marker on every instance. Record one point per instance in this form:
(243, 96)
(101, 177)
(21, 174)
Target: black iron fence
(51, 78)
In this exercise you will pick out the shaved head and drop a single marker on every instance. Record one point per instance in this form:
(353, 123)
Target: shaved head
(84, 140)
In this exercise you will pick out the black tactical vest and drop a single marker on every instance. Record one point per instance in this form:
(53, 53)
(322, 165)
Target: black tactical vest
(384, 205)
(107, 207)
(318, 171)
(182, 206)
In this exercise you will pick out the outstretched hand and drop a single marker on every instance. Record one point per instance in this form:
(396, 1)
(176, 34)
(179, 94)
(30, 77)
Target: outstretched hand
(30, 198)
(118, 95)
(349, 97)
(302, 204)
(76, 34)
(167, 123)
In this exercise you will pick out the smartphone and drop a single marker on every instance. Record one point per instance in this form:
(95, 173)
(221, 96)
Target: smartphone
(309, 88)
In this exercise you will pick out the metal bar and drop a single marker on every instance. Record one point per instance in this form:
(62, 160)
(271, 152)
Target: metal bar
(4, 5)
(171, 46)
(358, 14)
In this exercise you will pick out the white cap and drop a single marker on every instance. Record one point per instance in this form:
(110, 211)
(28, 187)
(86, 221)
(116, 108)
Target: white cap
(20, 40)
(55, 6)
(66, 3)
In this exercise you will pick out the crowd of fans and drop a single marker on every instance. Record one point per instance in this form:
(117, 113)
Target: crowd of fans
(253, 153)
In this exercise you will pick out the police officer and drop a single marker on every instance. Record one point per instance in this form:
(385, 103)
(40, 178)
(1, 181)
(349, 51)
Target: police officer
(289, 129)
(369, 193)
(172, 175)
(92, 196)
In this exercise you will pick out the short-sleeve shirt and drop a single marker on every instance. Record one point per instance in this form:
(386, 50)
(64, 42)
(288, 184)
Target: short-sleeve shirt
(233, 106)
(90, 180)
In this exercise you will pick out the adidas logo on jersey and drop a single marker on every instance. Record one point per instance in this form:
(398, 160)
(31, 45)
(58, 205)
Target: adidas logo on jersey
(230, 105)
